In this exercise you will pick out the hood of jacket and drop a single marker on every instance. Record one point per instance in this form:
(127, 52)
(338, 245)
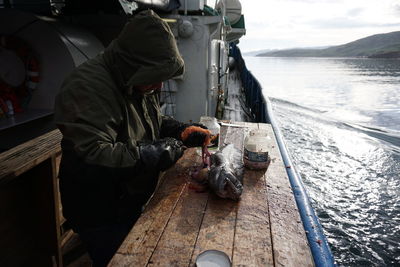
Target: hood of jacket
(144, 53)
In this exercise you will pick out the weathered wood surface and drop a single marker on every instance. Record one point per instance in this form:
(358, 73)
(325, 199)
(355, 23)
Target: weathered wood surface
(140, 244)
(262, 229)
(290, 246)
(18, 160)
(29, 217)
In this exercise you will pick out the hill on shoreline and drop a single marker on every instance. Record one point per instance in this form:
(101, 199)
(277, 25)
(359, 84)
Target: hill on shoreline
(386, 45)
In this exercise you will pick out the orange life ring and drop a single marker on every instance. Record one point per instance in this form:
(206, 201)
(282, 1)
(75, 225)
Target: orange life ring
(32, 72)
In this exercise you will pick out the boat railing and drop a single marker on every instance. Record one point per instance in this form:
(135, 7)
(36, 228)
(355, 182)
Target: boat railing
(252, 88)
(261, 109)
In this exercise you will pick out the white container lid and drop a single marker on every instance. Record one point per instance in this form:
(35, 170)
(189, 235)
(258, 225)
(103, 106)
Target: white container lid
(213, 258)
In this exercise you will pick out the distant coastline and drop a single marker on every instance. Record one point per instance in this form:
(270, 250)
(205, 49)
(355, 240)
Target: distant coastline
(385, 45)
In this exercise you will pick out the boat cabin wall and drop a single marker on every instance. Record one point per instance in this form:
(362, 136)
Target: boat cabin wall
(194, 95)
(57, 48)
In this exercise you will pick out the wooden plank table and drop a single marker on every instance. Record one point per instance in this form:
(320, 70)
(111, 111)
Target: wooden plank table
(262, 229)
(29, 209)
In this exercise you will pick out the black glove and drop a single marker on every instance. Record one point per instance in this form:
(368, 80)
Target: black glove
(195, 136)
(161, 154)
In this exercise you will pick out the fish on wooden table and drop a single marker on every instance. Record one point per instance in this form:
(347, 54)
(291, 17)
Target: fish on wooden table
(225, 177)
(222, 172)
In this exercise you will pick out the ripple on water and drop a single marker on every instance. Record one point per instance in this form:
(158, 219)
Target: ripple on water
(356, 194)
(341, 122)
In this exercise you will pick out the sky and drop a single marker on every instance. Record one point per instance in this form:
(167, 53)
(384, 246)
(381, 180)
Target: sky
(280, 24)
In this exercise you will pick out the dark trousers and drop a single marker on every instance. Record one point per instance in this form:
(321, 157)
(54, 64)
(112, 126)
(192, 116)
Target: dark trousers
(102, 242)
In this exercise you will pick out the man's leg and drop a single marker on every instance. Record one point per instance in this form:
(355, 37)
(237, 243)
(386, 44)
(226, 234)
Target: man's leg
(102, 242)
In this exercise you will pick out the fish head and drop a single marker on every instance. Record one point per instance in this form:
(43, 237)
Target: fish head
(229, 186)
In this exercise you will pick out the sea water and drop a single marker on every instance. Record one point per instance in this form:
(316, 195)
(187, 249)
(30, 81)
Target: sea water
(340, 118)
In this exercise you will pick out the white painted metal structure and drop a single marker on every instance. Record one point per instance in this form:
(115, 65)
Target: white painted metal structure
(60, 47)
(202, 43)
(196, 89)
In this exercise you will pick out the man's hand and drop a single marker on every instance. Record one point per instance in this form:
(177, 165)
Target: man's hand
(161, 154)
(196, 135)
(192, 135)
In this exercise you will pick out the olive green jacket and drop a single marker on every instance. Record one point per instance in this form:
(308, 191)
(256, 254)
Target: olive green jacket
(97, 109)
(102, 119)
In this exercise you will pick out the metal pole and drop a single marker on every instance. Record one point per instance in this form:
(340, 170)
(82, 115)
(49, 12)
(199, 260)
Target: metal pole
(185, 7)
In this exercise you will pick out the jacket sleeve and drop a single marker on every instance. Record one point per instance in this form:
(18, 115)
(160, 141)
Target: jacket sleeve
(90, 120)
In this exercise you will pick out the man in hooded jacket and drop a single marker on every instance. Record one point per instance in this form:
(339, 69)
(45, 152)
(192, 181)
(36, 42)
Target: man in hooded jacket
(115, 140)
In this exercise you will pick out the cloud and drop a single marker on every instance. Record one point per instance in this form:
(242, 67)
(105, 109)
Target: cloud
(355, 12)
(314, 1)
(305, 23)
(396, 9)
(347, 23)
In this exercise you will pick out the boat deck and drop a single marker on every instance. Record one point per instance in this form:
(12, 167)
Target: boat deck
(262, 229)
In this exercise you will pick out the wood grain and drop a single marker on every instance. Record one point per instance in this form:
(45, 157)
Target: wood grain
(253, 245)
(17, 160)
(218, 228)
(181, 232)
(262, 229)
(290, 246)
(144, 237)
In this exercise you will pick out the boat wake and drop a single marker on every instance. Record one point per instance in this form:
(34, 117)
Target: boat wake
(350, 171)
(391, 138)
(375, 132)
(289, 104)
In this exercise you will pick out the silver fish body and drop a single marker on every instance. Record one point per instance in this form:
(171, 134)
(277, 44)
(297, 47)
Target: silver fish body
(226, 172)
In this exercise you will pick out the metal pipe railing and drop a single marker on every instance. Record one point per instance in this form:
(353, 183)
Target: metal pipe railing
(318, 243)
(262, 112)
